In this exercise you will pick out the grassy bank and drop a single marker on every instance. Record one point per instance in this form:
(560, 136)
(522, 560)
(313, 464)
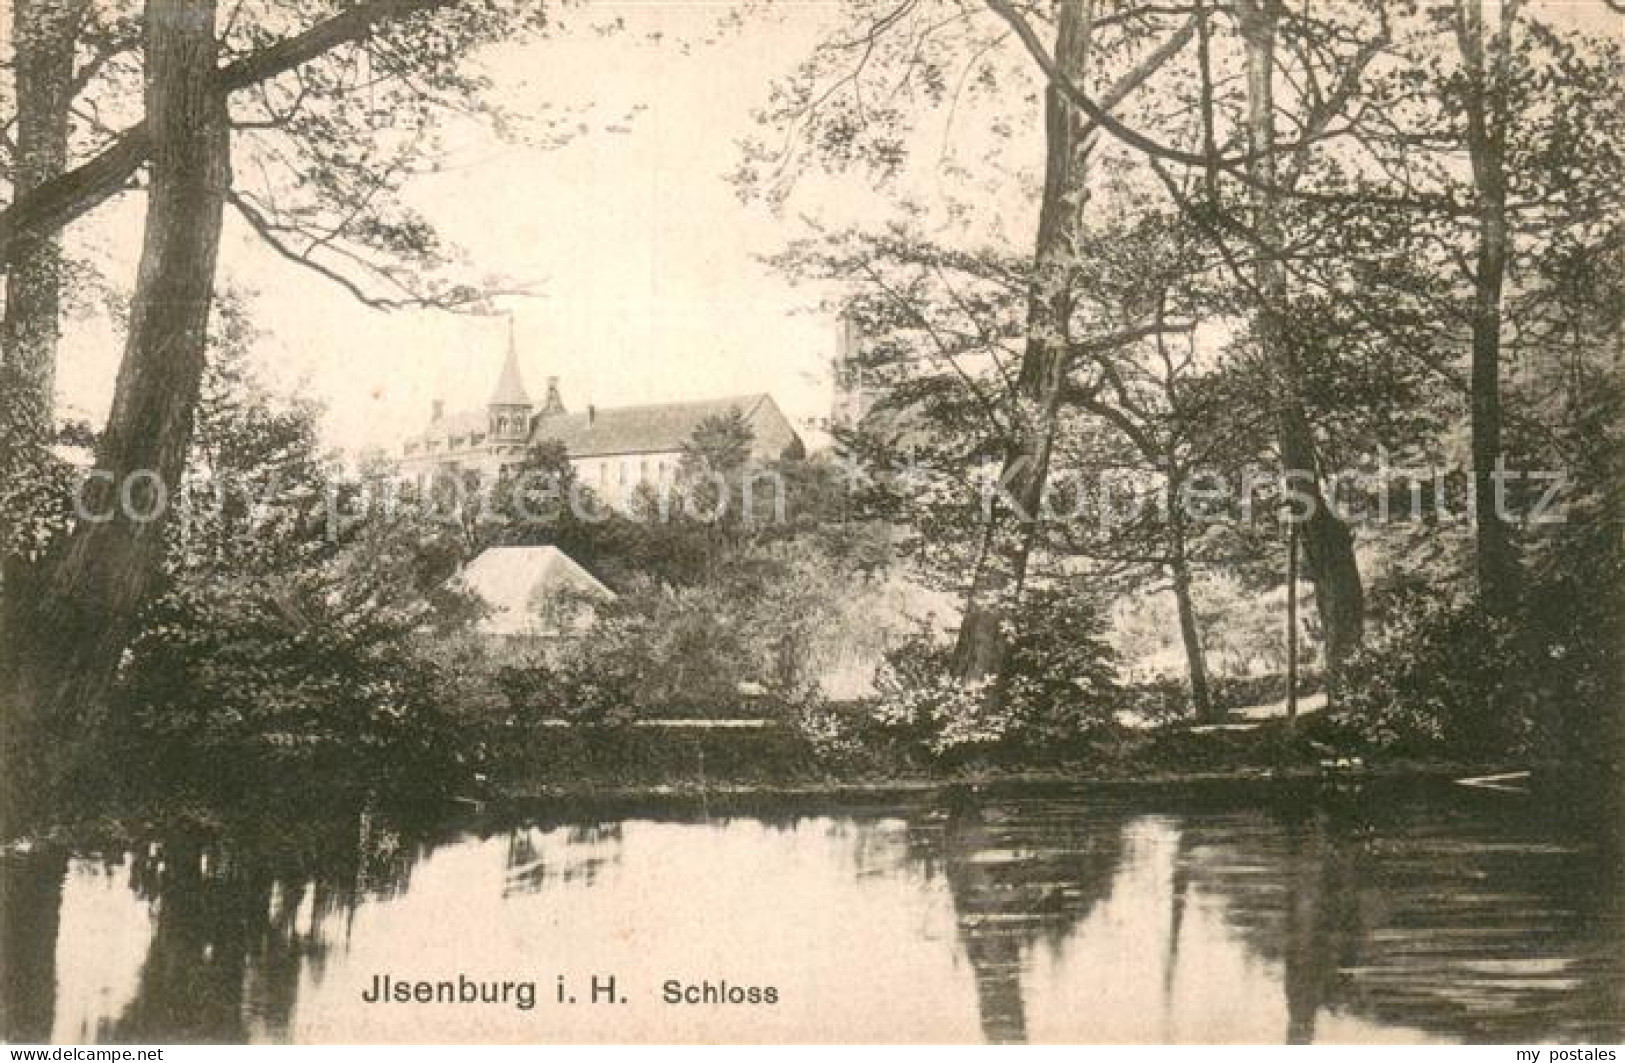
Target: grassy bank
(779, 759)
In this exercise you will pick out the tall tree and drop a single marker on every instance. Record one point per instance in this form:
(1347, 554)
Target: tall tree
(83, 611)
(43, 33)
(1486, 100)
(288, 91)
(1053, 345)
(1328, 542)
(1007, 538)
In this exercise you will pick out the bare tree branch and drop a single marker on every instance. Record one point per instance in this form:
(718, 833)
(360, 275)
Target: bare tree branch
(1098, 114)
(54, 204)
(461, 299)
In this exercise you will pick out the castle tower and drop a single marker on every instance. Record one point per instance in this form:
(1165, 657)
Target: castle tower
(553, 405)
(509, 407)
(852, 396)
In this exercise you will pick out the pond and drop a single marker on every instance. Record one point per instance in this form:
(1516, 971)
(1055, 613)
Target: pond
(1424, 914)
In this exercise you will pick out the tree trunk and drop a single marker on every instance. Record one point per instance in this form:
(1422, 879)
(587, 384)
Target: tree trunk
(1008, 537)
(1328, 544)
(83, 607)
(1497, 563)
(1191, 635)
(1179, 568)
(1292, 624)
(43, 32)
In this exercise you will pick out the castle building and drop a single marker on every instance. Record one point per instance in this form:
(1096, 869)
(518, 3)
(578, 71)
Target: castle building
(612, 449)
(853, 393)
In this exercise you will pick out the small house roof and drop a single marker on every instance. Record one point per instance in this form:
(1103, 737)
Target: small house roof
(518, 582)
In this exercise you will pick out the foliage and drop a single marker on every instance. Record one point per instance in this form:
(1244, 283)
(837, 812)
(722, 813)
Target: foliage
(1062, 672)
(921, 702)
(277, 648)
(1060, 693)
(36, 489)
(755, 631)
(575, 684)
(241, 681)
(1545, 678)
(837, 738)
(1442, 678)
(1458, 678)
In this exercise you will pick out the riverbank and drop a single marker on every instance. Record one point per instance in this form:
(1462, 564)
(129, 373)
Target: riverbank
(775, 764)
(1219, 789)
(560, 771)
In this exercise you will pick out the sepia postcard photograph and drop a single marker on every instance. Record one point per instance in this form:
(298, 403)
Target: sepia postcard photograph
(779, 522)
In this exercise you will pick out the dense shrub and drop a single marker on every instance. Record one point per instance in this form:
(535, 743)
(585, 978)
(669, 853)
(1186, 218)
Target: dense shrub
(1441, 677)
(1457, 678)
(1061, 670)
(1059, 688)
(239, 684)
(284, 652)
(584, 688)
(756, 634)
(835, 734)
(919, 702)
(1543, 679)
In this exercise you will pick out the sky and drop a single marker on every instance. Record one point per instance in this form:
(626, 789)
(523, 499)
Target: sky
(648, 265)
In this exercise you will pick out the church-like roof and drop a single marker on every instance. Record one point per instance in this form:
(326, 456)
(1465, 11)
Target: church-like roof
(658, 428)
(510, 390)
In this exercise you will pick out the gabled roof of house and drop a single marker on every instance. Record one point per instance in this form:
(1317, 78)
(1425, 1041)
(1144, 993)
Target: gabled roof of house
(460, 425)
(517, 583)
(658, 428)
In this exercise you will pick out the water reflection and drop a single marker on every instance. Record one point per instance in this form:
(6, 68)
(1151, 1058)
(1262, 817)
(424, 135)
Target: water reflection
(1021, 873)
(1006, 918)
(30, 907)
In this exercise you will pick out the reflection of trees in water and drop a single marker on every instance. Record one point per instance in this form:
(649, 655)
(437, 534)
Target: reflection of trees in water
(237, 921)
(1470, 927)
(1294, 890)
(211, 912)
(1468, 924)
(1019, 873)
(588, 848)
(1465, 923)
(30, 907)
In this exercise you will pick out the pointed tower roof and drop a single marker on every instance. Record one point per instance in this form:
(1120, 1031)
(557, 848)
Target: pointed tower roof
(510, 390)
